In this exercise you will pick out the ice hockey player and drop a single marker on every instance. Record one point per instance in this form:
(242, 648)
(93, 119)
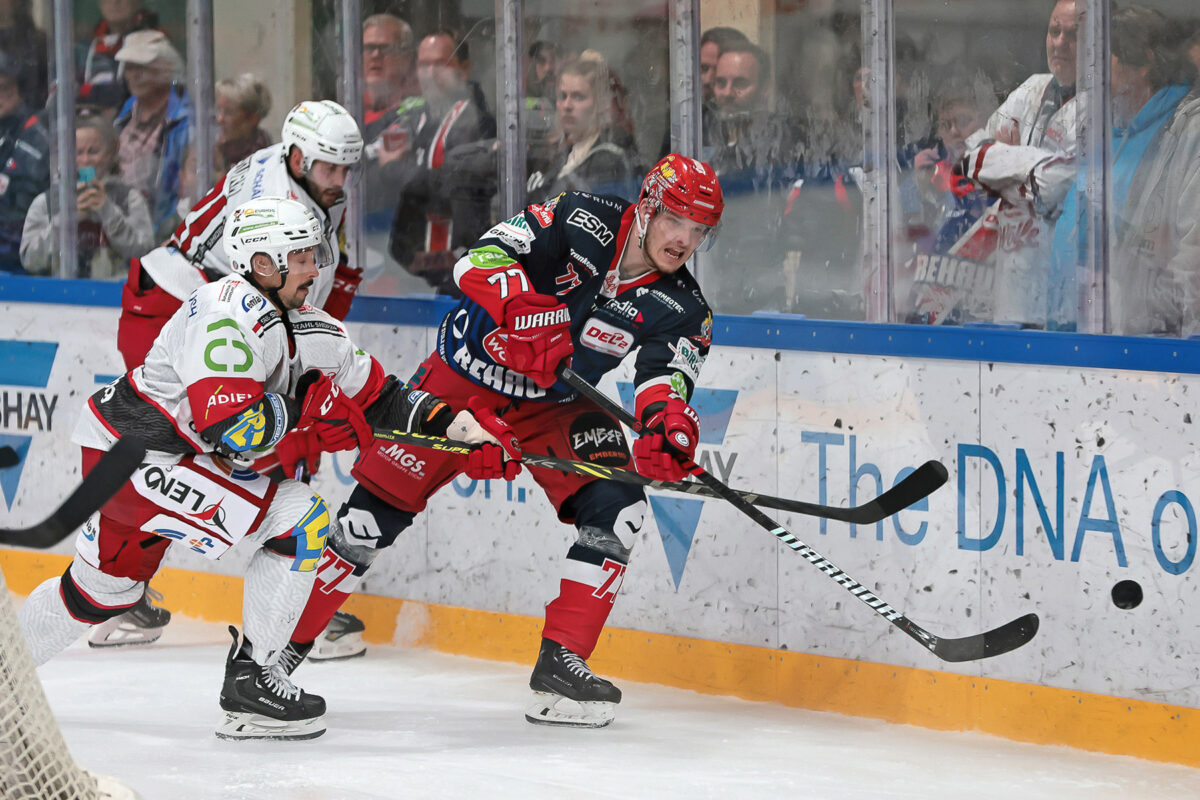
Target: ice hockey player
(583, 277)
(320, 148)
(244, 362)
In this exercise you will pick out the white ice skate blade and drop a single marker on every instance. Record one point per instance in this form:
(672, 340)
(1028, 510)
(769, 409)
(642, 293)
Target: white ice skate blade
(240, 725)
(548, 708)
(116, 633)
(350, 645)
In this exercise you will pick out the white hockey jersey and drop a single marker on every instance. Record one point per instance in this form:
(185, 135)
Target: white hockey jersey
(197, 243)
(1031, 176)
(217, 355)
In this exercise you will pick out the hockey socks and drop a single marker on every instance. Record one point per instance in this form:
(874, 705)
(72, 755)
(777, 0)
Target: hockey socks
(317, 613)
(585, 598)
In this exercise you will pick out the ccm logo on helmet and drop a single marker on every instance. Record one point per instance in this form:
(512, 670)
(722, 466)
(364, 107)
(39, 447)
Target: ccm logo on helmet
(604, 338)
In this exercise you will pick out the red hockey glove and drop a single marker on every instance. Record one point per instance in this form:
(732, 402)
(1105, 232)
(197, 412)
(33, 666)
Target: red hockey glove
(345, 284)
(535, 337)
(673, 425)
(334, 418)
(499, 455)
(298, 446)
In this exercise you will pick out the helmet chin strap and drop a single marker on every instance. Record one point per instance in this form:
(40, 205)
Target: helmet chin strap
(642, 230)
(272, 294)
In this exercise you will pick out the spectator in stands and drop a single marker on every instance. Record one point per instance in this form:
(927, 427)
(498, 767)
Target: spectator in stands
(389, 71)
(433, 225)
(1154, 264)
(390, 81)
(114, 221)
(101, 75)
(713, 42)
(26, 46)
(242, 103)
(1191, 49)
(595, 155)
(153, 126)
(541, 72)
(541, 88)
(1020, 155)
(755, 153)
(24, 164)
(943, 281)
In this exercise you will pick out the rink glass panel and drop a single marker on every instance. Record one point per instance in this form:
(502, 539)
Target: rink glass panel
(833, 214)
(949, 263)
(791, 235)
(420, 210)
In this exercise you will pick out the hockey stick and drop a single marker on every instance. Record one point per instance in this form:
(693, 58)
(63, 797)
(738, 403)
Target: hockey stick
(928, 477)
(8, 457)
(995, 642)
(106, 478)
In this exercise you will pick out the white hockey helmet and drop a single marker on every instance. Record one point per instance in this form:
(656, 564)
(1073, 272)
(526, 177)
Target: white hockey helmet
(323, 131)
(275, 226)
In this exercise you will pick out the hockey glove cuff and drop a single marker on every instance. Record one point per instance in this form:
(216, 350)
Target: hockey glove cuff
(334, 418)
(299, 453)
(672, 426)
(534, 339)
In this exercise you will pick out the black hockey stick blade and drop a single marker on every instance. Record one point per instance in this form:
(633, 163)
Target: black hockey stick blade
(9, 457)
(985, 645)
(924, 480)
(997, 641)
(105, 480)
(920, 483)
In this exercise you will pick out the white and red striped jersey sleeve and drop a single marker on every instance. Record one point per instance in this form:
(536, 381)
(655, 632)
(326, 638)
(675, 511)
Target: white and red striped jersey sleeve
(199, 236)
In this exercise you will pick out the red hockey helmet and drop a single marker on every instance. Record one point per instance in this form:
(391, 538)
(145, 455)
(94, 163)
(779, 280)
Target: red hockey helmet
(686, 186)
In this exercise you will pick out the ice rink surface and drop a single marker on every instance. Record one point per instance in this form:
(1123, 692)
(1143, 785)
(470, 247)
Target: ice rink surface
(416, 724)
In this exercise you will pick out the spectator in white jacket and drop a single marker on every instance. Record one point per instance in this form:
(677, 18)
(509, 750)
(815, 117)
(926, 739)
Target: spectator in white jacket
(1024, 155)
(114, 222)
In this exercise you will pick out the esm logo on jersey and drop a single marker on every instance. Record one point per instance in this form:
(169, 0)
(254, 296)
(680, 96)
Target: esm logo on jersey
(592, 224)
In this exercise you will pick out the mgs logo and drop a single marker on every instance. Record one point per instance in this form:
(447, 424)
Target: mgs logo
(406, 461)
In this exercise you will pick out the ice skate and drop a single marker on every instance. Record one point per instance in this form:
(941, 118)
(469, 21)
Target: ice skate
(341, 639)
(566, 691)
(141, 624)
(262, 702)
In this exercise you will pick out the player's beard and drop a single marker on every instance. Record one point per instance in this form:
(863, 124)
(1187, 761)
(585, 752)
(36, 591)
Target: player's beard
(300, 295)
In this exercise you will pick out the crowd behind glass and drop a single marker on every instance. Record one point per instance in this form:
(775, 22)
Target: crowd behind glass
(987, 189)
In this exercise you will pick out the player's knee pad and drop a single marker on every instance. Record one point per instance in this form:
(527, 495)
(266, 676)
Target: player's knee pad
(609, 516)
(92, 596)
(366, 526)
(297, 525)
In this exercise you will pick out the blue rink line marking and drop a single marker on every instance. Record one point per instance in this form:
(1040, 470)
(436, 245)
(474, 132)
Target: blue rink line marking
(767, 331)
